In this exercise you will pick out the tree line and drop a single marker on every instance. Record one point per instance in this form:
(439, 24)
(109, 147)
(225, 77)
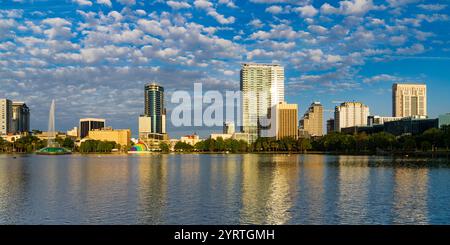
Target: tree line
(29, 144)
(431, 140)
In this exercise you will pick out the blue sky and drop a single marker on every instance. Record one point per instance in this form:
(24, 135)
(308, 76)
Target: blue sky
(94, 56)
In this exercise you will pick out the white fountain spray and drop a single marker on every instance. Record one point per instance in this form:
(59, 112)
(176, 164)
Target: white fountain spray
(51, 126)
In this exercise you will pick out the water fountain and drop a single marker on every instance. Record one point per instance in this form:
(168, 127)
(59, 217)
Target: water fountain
(53, 148)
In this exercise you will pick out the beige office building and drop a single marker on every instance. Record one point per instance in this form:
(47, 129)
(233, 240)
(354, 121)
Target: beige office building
(409, 100)
(120, 136)
(312, 121)
(350, 114)
(262, 87)
(284, 122)
(145, 126)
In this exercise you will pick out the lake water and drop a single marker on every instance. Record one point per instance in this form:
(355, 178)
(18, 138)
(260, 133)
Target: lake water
(223, 189)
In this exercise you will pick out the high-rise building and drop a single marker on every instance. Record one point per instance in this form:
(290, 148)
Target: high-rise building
(409, 100)
(145, 126)
(312, 121)
(88, 124)
(284, 121)
(20, 117)
(228, 128)
(330, 126)
(5, 116)
(262, 87)
(154, 107)
(350, 114)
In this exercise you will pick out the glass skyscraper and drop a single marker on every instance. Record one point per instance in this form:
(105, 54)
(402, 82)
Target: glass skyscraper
(154, 107)
(262, 87)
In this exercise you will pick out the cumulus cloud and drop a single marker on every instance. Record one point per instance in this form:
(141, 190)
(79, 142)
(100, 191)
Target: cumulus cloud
(382, 78)
(109, 54)
(203, 4)
(274, 9)
(83, 2)
(412, 50)
(208, 7)
(307, 11)
(178, 5)
(228, 3)
(432, 7)
(127, 2)
(349, 7)
(56, 22)
(105, 2)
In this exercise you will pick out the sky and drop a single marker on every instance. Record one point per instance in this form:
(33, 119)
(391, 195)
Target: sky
(95, 56)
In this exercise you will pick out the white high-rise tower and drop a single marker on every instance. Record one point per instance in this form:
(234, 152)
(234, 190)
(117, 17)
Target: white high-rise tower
(262, 87)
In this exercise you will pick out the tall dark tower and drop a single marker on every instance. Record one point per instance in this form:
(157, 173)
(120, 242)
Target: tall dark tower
(154, 107)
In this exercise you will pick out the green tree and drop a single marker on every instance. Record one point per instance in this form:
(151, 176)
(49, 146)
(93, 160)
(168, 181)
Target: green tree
(164, 147)
(384, 141)
(434, 136)
(68, 143)
(184, 147)
(408, 143)
(304, 144)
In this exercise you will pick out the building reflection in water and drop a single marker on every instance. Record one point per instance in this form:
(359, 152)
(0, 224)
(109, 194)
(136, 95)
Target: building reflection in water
(311, 189)
(152, 173)
(353, 189)
(220, 189)
(410, 196)
(269, 184)
(13, 188)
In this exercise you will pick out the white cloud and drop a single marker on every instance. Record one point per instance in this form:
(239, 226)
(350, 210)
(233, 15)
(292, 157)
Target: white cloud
(382, 78)
(275, 9)
(56, 22)
(141, 12)
(208, 7)
(307, 11)
(349, 7)
(11, 13)
(318, 29)
(83, 2)
(115, 15)
(60, 32)
(105, 2)
(412, 50)
(127, 2)
(281, 31)
(178, 5)
(151, 26)
(257, 23)
(398, 40)
(432, 7)
(202, 4)
(228, 3)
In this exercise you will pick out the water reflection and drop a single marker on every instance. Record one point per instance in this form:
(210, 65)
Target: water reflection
(411, 196)
(151, 189)
(311, 201)
(222, 189)
(353, 189)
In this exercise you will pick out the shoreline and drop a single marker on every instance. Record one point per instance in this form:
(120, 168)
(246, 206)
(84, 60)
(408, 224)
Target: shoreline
(438, 154)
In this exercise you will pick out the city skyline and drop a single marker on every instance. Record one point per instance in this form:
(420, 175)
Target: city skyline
(87, 56)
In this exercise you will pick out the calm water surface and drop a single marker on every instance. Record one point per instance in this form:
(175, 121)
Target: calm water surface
(223, 189)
